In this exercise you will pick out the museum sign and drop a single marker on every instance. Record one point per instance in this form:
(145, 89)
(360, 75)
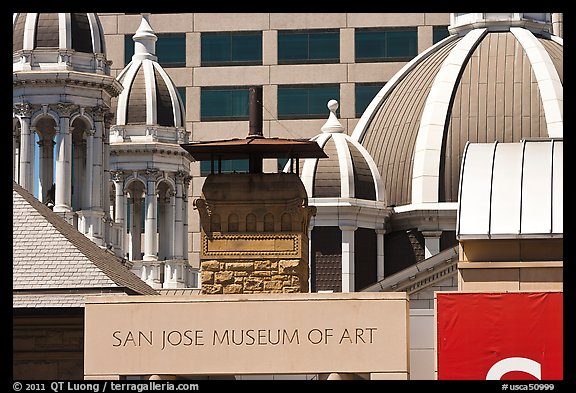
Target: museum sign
(247, 334)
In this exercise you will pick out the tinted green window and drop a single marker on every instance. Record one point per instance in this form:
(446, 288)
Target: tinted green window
(228, 166)
(306, 101)
(382, 45)
(182, 92)
(224, 103)
(439, 33)
(309, 46)
(170, 49)
(364, 95)
(243, 48)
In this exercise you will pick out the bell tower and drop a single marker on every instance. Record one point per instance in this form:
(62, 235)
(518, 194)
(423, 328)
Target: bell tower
(62, 92)
(254, 226)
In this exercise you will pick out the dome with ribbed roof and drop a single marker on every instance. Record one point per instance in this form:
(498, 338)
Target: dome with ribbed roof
(348, 172)
(497, 77)
(58, 41)
(149, 96)
(81, 32)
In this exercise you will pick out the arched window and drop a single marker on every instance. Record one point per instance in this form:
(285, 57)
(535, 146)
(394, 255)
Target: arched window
(80, 187)
(233, 223)
(165, 220)
(45, 159)
(251, 223)
(286, 222)
(268, 222)
(215, 223)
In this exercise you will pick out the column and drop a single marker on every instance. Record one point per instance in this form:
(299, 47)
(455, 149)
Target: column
(166, 218)
(348, 257)
(186, 187)
(89, 173)
(120, 204)
(178, 251)
(104, 155)
(431, 243)
(380, 254)
(63, 197)
(45, 175)
(98, 154)
(150, 243)
(16, 154)
(78, 171)
(136, 229)
(26, 170)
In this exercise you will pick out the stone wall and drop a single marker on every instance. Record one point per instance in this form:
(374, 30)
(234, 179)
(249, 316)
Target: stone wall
(257, 276)
(47, 347)
(254, 236)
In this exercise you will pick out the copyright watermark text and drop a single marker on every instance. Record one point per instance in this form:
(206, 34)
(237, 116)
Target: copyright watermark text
(528, 386)
(103, 386)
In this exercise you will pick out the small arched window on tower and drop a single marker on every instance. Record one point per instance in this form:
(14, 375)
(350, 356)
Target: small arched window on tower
(286, 222)
(233, 223)
(268, 222)
(80, 180)
(215, 223)
(251, 223)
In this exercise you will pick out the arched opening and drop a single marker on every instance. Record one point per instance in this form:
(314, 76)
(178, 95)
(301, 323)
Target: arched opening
(233, 223)
(286, 222)
(215, 223)
(45, 160)
(165, 220)
(135, 220)
(16, 149)
(80, 186)
(112, 199)
(268, 222)
(251, 223)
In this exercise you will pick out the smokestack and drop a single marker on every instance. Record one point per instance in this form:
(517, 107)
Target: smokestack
(255, 130)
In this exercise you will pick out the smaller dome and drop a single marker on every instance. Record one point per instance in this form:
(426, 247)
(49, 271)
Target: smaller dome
(58, 42)
(149, 96)
(348, 172)
(81, 32)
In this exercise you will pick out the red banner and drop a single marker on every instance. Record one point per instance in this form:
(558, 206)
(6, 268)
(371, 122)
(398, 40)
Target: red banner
(502, 336)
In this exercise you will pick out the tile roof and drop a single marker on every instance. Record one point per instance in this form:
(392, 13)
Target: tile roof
(50, 254)
(50, 300)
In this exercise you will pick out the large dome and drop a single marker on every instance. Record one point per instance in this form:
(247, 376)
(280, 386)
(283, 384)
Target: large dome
(497, 77)
(149, 96)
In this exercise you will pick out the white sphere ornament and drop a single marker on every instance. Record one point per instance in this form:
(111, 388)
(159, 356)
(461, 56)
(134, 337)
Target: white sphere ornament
(332, 124)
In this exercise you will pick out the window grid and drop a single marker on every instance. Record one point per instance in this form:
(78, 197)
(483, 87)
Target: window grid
(224, 103)
(231, 48)
(306, 101)
(398, 44)
(308, 46)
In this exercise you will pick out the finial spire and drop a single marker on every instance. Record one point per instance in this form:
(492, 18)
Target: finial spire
(332, 124)
(145, 40)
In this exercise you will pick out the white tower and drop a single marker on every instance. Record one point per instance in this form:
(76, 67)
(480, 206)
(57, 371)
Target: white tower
(62, 90)
(150, 170)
